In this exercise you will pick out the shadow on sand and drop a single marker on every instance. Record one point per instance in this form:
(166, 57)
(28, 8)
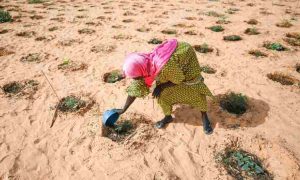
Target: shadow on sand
(255, 115)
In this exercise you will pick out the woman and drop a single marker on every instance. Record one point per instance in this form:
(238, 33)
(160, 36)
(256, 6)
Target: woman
(176, 71)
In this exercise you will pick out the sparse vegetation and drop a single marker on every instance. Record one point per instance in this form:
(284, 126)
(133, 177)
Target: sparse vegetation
(120, 130)
(234, 103)
(86, 31)
(207, 69)
(257, 53)
(232, 10)
(35, 1)
(282, 78)
(26, 87)
(32, 57)
(203, 48)
(191, 32)
(284, 23)
(5, 16)
(69, 65)
(274, 46)
(13, 87)
(4, 31)
(169, 31)
(70, 104)
(143, 29)
(216, 28)
(26, 34)
(252, 22)
(293, 39)
(154, 41)
(213, 14)
(113, 76)
(222, 20)
(128, 20)
(4, 52)
(53, 28)
(232, 38)
(242, 165)
(251, 31)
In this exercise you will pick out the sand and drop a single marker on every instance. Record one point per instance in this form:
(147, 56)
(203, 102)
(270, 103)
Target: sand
(76, 148)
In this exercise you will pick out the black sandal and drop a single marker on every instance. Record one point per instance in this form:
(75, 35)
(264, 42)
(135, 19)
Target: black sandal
(161, 124)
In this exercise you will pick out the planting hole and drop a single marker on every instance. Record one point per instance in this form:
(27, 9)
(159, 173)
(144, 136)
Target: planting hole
(32, 57)
(251, 31)
(234, 103)
(169, 31)
(242, 165)
(252, 22)
(284, 24)
(274, 46)
(86, 31)
(216, 28)
(155, 41)
(4, 52)
(257, 53)
(71, 104)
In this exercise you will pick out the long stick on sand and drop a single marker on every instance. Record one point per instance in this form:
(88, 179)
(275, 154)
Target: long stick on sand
(56, 108)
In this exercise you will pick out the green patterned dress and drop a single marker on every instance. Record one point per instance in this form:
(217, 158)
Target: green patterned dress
(182, 69)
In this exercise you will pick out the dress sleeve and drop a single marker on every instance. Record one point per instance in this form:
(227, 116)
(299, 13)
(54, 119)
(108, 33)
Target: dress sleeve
(138, 88)
(171, 72)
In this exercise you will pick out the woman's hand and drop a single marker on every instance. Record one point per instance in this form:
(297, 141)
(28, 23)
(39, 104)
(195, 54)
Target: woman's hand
(157, 91)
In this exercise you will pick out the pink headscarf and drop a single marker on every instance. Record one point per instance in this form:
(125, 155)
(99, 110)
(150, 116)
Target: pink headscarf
(148, 65)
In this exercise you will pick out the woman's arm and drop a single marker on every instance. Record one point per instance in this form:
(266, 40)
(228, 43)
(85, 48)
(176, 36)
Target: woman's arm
(129, 101)
(157, 91)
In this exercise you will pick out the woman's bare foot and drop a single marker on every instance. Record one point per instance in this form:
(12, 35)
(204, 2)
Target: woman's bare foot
(164, 122)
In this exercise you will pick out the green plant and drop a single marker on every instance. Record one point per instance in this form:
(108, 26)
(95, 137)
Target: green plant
(113, 76)
(203, 48)
(284, 23)
(5, 16)
(257, 53)
(213, 14)
(274, 46)
(13, 87)
(154, 41)
(251, 31)
(243, 165)
(70, 104)
(169, 31)
(232, 38)
(216, 28)
(123, 127)
(234, 103)
(35, 1)
(207, 69)
(281, 78)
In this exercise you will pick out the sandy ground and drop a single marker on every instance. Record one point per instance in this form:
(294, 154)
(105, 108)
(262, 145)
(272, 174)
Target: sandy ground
(75, 147)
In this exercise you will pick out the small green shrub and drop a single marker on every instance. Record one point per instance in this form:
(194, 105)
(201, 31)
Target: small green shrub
(35, 1)
(274, 46)
(169, 31)
(232, 38)
(284, 23)
(203, 48)
(257, 53)
(234, 103)
(207, 69)
(282, 78)
(113, 76)
(242, 165)
(155, 41)
(5, 16)
(120, 130)
(251, 31)
(216, 28)
(13, 87)
(70, 104)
